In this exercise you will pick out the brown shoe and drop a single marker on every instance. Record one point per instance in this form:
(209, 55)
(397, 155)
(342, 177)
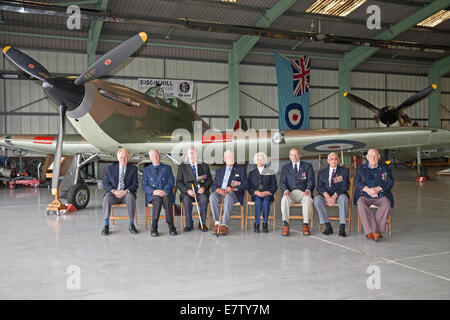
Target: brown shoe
(377, 236)
(216, 227)
(305, 230)
(285, 231)
(370, 236)
(223, 230)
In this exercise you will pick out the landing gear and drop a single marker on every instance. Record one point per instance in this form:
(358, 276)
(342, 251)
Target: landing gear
(79, 195)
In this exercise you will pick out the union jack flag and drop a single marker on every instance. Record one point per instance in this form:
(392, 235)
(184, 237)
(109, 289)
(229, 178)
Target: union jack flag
(301, 69)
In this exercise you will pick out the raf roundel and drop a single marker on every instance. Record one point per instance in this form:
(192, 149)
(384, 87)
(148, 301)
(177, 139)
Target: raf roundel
(334, 145)
(107, 62)
(294, 116)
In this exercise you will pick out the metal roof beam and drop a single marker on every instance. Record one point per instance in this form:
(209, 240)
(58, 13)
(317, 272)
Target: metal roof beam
(356, 56)
(436, 72)
(94, 34)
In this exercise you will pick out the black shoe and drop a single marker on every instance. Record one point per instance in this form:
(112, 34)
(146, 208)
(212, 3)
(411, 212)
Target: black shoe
(256, 228)
(105, 230)
(328, 229)
(173, 230)
(188, 229)
(200, 227)
(132, 229)
(155, 233)
(265, 227)
(342, 231)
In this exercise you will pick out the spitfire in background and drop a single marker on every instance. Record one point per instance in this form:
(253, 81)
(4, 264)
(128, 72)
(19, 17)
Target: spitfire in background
(389, 115)
(68, 92)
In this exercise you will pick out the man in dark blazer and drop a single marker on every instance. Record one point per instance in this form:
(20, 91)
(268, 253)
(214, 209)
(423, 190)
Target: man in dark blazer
(332, 186)
(157, 182)
(197, 174)
(230, 184)
(373, 184)
(297, 183)
(120, 183)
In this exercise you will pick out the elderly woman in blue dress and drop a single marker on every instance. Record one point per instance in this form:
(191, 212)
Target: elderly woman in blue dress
(262, 187)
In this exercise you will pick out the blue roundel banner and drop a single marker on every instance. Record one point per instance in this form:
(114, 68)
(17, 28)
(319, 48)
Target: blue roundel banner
(294, 116)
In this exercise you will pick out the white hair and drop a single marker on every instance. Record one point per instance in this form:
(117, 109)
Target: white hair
(255, 158)
(331, 153)
(228, 152)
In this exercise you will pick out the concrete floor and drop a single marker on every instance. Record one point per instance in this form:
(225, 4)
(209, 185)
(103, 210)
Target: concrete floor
(47, 257)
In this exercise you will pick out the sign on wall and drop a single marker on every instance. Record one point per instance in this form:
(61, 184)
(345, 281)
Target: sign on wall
(182, 89)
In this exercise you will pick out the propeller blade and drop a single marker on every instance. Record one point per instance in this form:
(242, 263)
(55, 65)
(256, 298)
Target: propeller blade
(58, 152)
(361, 101)
(112, 59)
(26, 63)
(417, 97)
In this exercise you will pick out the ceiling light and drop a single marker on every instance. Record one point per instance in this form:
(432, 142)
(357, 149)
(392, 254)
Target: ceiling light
(335, 7)
(435, 19)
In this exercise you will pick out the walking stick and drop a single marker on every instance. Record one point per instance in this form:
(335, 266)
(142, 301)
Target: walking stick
(198, 209)
(220, 216)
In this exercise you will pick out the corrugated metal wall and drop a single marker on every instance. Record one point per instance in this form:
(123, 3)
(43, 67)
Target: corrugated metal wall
(258, 96)
(445, 100)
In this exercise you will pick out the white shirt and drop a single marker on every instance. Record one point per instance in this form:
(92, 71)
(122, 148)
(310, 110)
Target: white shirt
(260, 169)
(330, 174)
(298, 165)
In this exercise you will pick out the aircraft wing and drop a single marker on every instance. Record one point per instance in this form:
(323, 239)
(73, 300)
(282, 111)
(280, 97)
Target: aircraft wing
(309, 142)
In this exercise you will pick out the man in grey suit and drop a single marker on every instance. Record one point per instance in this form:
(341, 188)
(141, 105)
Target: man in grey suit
(297, 183)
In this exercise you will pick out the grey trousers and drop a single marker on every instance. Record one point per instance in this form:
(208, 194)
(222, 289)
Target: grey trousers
(188, 206)
(214, 201)
(374, 222)
(342, 201)
(109, 199)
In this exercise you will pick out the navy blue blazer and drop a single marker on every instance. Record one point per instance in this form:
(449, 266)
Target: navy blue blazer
(339, 186)
(386, 181)
(111, 178)
(151, 181)
(267, 181)
(239, 174)
(303, 180)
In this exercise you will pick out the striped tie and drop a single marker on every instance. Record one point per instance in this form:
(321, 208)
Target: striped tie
(122, 174)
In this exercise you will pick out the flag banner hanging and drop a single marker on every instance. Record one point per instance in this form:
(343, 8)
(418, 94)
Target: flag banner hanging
(293, 78)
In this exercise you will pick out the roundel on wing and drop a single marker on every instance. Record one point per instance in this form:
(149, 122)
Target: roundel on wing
(294, 116)
(334, 145)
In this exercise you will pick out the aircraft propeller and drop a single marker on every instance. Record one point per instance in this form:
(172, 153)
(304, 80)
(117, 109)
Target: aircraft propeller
(389, 115)
(67, 93)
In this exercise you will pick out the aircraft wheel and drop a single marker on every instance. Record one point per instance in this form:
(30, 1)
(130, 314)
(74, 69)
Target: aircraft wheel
(79, 196)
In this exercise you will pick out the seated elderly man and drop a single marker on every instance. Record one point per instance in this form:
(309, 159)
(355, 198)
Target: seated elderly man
(373, 184)
(229, 185)
(332, 186)
(120, 183)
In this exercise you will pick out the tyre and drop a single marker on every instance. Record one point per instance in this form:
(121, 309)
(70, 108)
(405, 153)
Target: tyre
(79, 196)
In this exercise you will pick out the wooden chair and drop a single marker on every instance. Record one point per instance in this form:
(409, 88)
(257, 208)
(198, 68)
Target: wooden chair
(149, 214)
(388, 221)
(236, 216)
(350, 210)
(251, 203)
(300, 217)
(112, 217)
(194, 215)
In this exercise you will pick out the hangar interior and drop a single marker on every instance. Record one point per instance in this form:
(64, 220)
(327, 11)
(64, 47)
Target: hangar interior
(40, 248)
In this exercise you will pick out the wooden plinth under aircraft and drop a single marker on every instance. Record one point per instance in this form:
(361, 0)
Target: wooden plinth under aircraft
(109, 116)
